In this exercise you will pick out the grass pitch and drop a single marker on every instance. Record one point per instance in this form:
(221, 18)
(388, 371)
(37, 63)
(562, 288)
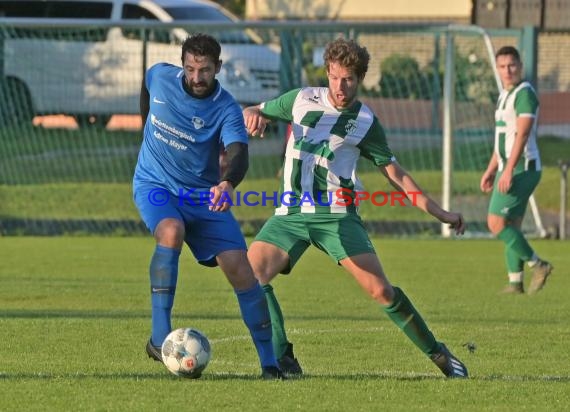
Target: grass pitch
(75, 316)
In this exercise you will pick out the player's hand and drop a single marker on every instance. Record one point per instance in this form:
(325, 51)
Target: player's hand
(486, 183)
(255, 123)
(505, 181)
(221, 197)
(456, 222)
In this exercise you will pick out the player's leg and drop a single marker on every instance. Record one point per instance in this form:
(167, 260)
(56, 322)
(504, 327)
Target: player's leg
(368, 272)
(506, 211)
(169, 235)
(215, 238)
(513, 261)
(165, 223)
(345, 239)
(267, 260)
(252, 303)
(277, 248)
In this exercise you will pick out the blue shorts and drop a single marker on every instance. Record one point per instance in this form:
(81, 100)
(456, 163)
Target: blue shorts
(207, 233)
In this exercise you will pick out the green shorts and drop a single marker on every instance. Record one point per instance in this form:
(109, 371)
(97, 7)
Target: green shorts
(513, 203)
(338, 235)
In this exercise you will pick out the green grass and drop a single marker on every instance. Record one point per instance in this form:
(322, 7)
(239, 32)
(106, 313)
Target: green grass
(553, 149)
(74, 315)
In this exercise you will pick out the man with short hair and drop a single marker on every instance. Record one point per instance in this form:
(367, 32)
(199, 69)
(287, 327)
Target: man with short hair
(188, 120)
(331, 130)
(514, 171)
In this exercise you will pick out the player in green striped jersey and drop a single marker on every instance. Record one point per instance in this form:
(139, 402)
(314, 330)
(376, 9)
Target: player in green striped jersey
(331, 129)
(514, 171)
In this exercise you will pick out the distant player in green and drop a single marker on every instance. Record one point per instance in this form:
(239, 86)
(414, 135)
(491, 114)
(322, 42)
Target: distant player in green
(514, 171)
(331, 130)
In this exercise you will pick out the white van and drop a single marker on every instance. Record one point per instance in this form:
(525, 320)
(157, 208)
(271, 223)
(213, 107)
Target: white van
(92, 73)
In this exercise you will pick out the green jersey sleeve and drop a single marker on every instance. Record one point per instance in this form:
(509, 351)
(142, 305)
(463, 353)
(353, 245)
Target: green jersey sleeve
(280, 108)
(374, 145)
(526, 101)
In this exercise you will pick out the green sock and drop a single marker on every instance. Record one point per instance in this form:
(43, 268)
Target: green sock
(407, 318)
(514, 263)
(279, 337)
(515, 240)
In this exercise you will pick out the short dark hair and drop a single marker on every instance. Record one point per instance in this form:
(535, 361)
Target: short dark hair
(348, 54)
(201, 44)
(508, 51)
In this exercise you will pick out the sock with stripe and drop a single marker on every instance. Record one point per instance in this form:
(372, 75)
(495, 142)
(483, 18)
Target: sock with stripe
(163, 278)
(407, 318)
(515, 278)
(514, 263)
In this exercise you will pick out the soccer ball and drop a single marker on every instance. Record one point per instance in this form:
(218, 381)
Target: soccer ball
(186, 352)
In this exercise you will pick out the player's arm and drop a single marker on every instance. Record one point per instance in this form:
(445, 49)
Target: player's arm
(257, 117)
(403, 181)
(488, 178)
(255, 122)
(236, 165)
(144, 102)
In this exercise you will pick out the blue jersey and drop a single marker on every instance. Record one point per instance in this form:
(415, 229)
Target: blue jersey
(183, 135)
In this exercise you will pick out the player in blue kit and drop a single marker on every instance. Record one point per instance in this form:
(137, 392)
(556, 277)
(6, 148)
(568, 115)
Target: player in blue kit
(188, 119)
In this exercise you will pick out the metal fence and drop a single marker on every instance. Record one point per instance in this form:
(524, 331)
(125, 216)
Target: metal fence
(69, 103)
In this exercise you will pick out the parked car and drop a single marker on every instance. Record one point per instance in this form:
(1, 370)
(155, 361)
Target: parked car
(92, 73)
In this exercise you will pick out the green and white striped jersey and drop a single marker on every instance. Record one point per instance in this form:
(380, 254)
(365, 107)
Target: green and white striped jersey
(519, 101)
(323, 150)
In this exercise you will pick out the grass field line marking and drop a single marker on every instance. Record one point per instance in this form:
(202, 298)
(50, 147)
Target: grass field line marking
(306, 332)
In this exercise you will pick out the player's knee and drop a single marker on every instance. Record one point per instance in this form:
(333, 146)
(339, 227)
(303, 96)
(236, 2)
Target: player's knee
(237, 269)
(267, 265)
(170, 233)
(495, 225)
(264, 270)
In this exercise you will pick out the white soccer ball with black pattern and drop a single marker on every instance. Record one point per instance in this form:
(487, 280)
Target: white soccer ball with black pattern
(186, 352)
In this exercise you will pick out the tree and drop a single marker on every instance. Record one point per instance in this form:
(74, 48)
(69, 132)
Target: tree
(401, 78)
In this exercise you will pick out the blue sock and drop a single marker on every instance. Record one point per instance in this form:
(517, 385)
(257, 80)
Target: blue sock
(163, 277)
(256, 317)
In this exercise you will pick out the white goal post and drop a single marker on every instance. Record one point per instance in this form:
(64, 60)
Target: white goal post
(449, 121)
